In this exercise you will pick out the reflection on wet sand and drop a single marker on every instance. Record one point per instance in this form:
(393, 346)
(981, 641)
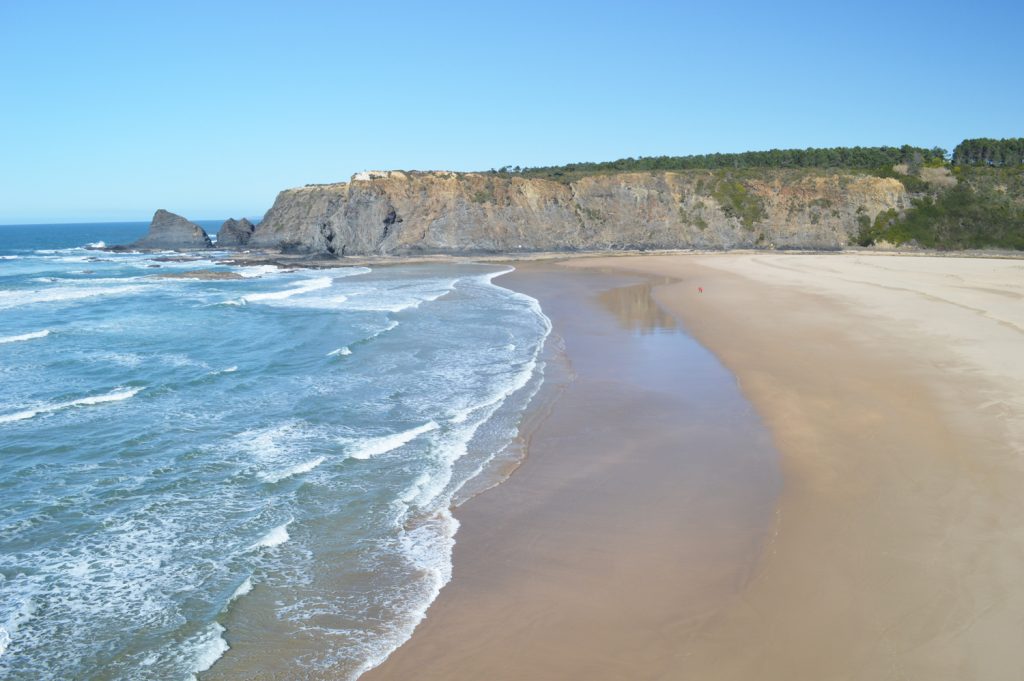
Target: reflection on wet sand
(635, 308)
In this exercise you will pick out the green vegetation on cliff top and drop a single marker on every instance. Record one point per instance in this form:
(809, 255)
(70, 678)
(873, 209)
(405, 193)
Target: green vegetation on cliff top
(835, 157)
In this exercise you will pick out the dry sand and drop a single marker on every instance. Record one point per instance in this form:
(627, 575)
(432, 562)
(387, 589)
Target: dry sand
(892, 389)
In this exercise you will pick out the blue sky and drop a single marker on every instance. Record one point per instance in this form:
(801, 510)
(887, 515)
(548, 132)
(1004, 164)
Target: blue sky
(109, 110)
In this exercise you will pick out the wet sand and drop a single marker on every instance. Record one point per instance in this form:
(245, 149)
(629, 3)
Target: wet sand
(891, 388)
(642, 506)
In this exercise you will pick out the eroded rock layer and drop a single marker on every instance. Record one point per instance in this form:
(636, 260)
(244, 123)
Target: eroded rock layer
(399, 213)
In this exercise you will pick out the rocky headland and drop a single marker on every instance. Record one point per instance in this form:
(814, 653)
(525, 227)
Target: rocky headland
(411, 213)
(811, 199)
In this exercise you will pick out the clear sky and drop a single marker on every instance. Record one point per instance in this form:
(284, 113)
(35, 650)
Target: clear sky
(109, 110)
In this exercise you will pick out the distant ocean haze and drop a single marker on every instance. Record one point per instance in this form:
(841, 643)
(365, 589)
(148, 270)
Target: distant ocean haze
(196, 473)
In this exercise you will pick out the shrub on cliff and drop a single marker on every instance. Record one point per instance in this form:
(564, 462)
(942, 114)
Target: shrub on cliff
(965, 216)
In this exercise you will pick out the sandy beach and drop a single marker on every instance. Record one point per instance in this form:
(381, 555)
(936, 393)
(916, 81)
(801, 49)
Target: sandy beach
(648, 534)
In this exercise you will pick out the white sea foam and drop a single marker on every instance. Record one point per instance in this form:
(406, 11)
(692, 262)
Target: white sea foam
(298, 469)
(25, 336)
(514, 385)
(391, 326)
(258, 271)
(274, 444)
(243, 588)
(209, 648)
(428, 546)
(10, 257)
(415, 488)
(97, 244)
(60, 294)
(10, 627)
(115, 396)
(127, 567)
(395, 301)
(128, 359)
(343, 350)
(376, 446)
(229, 370)
(303, 287)
(274, 537)
(179, 360)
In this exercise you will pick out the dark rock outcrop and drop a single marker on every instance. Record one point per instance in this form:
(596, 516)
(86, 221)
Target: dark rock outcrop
(168, 231)
(235, 233)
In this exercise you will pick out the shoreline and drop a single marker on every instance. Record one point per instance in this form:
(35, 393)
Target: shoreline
(642, 497)
(891, 398)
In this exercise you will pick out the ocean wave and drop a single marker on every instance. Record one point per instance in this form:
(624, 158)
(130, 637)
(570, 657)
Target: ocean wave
(392, 325)
(303, 287)
(10, 257)
(342, 351)
(25, 336)
(60, 294)
(9, 628)
(298, 469)
(243, 588)
(97, 244)
(371, 296)
(127, 359)
(375, 446)
(428, 547)
(393, 301)
(275, 537)
(209, 647)
(229, 370)
(258, 271)
(115, 396)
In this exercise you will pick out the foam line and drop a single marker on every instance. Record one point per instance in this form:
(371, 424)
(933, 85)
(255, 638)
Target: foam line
(25, 336)
(115, 396)
(298, 469)
(376, 446)
(274, 537)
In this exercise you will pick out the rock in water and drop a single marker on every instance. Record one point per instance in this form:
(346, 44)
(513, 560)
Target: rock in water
(170, 231)
(234, 233)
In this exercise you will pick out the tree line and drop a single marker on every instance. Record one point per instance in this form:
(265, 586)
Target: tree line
(831, 157)
(990, 152)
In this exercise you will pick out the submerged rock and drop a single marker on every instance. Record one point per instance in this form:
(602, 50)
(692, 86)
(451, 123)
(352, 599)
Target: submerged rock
(234, 233)
(173, 232)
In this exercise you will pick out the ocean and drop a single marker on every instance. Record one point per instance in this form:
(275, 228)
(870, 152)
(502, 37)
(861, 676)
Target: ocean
(242, 478)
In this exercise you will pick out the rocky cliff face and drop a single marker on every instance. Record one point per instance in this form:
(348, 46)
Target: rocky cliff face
(235, 233)
(408, 213)
(168, 231)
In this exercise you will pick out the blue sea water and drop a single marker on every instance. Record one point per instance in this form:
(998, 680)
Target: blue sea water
(236, 474)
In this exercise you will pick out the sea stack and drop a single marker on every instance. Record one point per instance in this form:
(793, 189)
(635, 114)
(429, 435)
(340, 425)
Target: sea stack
(235, 233)
(173, 232)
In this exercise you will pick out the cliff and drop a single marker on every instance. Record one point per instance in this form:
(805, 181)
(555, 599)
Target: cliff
(400, 213)
(168, 231)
